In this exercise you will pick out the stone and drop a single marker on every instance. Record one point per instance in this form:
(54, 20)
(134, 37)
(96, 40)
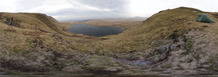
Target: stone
(114, 69)
(73, 69)
(171, 47)
(162, 49)
(11, 21)
(102, 65)
(167, 48)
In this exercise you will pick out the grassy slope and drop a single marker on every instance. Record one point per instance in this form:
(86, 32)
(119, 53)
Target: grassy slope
(153, 31)
(25, 21)
(150, 34)
(28, 30)
(36, 39)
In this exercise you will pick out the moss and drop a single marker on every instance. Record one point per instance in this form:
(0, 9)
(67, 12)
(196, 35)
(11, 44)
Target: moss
(166, 66)
(213, 61)
(12, 72)
(188, 46)
(94, 69)
(74, 48)
(31, 41)
(100, 60)
(61, 64)
(99, 64)
(158, 69)
(197, 57)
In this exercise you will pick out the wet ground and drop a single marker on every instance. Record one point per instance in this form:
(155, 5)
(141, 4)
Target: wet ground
(133, 62)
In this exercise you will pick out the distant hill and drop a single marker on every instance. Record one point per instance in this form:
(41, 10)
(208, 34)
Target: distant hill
(120, 18)
(123, 23)
(128, 18)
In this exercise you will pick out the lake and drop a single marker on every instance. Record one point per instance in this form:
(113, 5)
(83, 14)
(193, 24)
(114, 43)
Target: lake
(92, 30)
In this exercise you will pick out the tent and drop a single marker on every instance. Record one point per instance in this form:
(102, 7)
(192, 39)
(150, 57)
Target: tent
(204, 18)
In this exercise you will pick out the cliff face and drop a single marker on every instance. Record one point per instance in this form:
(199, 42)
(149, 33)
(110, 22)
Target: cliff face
(169, 42)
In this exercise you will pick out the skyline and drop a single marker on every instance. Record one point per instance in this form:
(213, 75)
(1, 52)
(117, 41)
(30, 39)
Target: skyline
(94, 9)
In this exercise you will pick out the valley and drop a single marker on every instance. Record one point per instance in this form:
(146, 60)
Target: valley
(169, 43)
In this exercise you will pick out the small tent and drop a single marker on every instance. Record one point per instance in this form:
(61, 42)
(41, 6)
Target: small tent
(204, 18)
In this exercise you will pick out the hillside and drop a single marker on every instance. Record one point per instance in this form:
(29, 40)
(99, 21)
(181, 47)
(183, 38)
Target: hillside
(33, 42)
(153, 31)
(123, 23)
(38, 43)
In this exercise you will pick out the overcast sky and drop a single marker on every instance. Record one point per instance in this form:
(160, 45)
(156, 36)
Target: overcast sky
(89, 9)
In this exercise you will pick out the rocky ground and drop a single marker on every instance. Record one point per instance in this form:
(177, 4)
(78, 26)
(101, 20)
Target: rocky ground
(170, 43)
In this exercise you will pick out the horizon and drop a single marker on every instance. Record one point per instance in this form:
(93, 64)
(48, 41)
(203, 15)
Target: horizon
(66, 10)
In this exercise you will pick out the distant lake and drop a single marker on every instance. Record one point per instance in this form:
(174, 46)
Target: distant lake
(92, 30)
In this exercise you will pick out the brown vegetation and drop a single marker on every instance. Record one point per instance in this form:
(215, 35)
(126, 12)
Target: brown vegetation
(126, 24)
(40, 41)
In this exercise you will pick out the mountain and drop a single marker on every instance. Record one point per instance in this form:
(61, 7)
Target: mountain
(168, 43)
(32, 42)
(174, 41)
(125, 23)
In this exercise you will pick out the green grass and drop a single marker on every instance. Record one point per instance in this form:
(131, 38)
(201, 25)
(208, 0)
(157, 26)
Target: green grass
(40, 33)
(166, 66)
(151, 33)
(12, 72)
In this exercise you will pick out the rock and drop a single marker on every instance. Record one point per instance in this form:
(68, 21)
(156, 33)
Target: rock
(11, 21)
(171, 47)
(194, 11)
(102, 65)
(162, 49)
(73, 69)
(167, 48)
(114, 69)
(22, 65)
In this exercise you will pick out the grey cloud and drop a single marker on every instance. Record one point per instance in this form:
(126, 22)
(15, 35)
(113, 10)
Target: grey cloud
(28, 4)
(77, 9)
(115, 4)
(73, 14)
(117, 7)
(82, 9)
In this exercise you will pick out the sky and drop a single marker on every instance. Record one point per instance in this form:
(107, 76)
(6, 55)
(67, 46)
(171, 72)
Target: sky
(95, 9)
